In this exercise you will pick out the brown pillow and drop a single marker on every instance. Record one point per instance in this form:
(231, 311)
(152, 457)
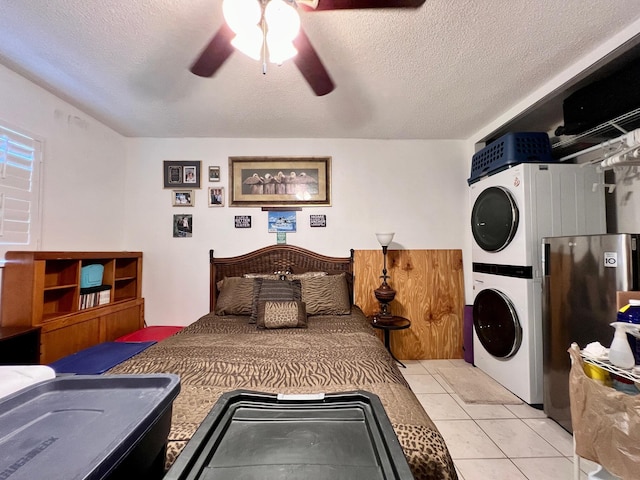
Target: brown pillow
(281, 314)
(235, 297)
(327, 295)
(275, 290)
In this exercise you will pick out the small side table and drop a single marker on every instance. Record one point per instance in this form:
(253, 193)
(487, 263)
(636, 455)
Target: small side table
(19, 345)
(393, 323)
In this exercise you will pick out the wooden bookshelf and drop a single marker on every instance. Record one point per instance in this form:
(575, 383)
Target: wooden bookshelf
(42, 289)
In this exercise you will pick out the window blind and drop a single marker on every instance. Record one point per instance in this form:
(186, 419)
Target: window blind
(19, 189)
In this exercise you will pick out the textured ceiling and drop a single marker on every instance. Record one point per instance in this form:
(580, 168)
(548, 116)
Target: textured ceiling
(442, 71)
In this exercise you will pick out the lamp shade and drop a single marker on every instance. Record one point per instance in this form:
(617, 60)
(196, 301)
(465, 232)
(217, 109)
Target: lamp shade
(384, 239)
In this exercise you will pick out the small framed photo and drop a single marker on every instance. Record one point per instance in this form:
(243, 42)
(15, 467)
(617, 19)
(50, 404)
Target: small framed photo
(183, 198)
(214, 174)
(181, 173)
(216, 196)
(182, 226)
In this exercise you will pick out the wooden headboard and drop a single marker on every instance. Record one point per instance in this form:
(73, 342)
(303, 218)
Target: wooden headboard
(276, 258)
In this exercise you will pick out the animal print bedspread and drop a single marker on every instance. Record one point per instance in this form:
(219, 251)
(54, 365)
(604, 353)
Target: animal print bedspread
(334, 354)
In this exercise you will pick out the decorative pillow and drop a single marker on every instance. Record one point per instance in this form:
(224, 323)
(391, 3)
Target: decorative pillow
(281, 314)
(328, 295)
(235, 297)
(275, 290)
(300, 276)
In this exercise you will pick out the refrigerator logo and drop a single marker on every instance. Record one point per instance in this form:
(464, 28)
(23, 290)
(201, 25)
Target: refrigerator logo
(611, 259)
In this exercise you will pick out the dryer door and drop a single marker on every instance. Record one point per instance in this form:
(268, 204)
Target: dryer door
(496, 323)
(494, 219)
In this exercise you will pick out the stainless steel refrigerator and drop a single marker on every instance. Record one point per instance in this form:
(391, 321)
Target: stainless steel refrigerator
(581, 277)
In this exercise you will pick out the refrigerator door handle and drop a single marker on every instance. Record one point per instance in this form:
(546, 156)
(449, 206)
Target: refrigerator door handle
(546, 249)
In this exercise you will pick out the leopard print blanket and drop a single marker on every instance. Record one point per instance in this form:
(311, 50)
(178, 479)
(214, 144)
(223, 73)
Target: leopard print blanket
(334, 354)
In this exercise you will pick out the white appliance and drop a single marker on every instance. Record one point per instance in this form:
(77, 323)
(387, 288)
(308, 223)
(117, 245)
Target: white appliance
(513, 209)
(507, 333)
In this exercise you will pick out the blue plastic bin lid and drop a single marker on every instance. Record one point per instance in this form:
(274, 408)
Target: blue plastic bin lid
(79, 427)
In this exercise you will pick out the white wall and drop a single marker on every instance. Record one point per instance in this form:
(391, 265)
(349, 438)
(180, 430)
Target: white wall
(84, 167)
(415, 188)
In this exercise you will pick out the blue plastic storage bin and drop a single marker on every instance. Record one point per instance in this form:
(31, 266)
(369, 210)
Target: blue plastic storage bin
(91, 275)
(109, 427)
(508, 150)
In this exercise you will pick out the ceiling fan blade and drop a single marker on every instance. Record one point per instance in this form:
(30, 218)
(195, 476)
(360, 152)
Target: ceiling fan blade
(357, 4)
(215, 53)
(311, 67)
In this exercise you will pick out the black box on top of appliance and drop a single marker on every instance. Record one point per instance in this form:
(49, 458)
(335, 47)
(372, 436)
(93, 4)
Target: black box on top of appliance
(603, 100)
(509, 150)
(88, 427)
(260, 436)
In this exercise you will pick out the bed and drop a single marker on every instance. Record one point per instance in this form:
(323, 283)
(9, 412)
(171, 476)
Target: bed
(335, 349)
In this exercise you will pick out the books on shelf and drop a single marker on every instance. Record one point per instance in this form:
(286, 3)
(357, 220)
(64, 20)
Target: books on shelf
(94, 296)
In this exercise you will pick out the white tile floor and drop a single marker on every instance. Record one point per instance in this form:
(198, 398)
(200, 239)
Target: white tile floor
(493, 442)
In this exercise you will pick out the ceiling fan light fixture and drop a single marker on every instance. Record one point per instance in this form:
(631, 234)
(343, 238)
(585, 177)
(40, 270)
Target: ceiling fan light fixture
(249, 42)
(282, 19)
(241, 15)
(280, 51)
(283, 26)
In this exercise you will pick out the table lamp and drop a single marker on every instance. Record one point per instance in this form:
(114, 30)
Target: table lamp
(384, 293)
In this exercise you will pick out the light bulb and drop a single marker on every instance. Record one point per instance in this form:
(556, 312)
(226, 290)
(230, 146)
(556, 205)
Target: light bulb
(249, 42)
(279, 50)
(282, 19)
(241, 15)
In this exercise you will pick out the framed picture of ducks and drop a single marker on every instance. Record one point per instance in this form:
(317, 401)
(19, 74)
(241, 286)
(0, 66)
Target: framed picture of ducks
(279, 181)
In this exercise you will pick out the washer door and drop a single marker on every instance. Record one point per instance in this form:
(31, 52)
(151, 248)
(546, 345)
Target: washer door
(496, 323)
(494, 219)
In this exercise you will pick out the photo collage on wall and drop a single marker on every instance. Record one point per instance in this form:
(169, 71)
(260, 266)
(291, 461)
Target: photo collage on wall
(183, 178)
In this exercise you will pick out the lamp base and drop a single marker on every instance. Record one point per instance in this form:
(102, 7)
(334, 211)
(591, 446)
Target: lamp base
(385, 295)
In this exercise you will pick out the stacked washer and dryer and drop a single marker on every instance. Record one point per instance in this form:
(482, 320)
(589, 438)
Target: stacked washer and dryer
(514, 205)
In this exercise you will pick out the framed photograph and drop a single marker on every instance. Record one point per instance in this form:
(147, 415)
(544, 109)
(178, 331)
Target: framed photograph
(181, 173)
(182, 226)
(216, 196)
(279, 181)
(183, 198)
(214, 174)
(282, 222)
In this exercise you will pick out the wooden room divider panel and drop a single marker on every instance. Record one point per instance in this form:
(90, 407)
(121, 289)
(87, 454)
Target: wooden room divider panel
(429, 288)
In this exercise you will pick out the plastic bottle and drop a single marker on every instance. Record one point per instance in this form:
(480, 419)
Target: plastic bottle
(620, 353)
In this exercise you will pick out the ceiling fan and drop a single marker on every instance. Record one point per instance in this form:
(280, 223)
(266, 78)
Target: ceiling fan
(307, 60)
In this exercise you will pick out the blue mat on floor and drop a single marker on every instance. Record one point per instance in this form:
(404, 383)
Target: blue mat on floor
(99, 358)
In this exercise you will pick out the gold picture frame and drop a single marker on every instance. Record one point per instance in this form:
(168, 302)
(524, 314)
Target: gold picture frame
(183, 198)
(279, 181)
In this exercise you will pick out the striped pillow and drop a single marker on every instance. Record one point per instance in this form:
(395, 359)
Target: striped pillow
(235, 297)
(275, 290)
(328, 295)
